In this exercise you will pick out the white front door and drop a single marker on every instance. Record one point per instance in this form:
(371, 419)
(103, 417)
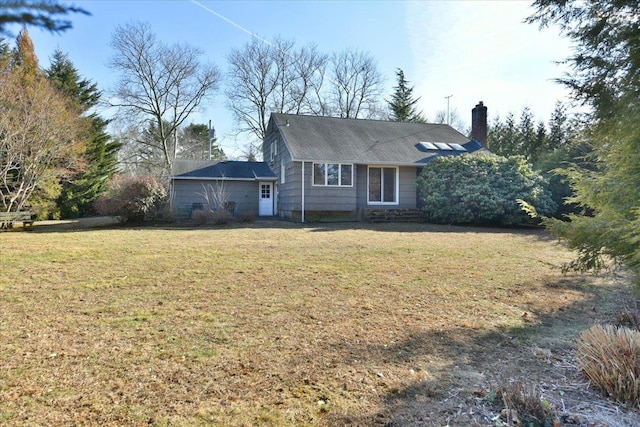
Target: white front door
(265, 205)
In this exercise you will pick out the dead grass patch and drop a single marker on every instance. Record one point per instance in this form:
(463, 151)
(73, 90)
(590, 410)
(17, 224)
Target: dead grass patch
(278, 324)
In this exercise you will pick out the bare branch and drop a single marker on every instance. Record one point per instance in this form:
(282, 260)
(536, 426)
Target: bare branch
(159, 84)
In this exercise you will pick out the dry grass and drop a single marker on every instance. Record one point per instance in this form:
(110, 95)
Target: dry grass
(610, 359)
(273, 323)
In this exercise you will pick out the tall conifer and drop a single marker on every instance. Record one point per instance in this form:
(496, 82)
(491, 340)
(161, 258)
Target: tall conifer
(402, 103)
(80, 190)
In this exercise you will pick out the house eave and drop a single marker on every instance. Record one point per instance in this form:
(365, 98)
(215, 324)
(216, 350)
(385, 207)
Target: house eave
(203, 178)
(359, 162)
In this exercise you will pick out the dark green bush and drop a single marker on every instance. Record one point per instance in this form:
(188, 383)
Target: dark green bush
(481, 189)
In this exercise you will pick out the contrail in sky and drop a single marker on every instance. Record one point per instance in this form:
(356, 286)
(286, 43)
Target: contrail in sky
(256, 36)
(238, 26)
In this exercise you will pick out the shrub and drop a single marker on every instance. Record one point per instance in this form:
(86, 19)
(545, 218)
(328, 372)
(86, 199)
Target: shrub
(525, 406)
(208, 216)
(610, 358)
(220, 216)
(246, 217)
(132, 198)
(199, 217)
(481, 189)
(630, 317)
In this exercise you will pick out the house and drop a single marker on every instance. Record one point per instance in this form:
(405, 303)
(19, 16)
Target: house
(335, 168)
(324, 168)
(241, 187)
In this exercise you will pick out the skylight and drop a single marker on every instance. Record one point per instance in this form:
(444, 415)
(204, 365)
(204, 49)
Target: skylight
(457, 147)
(443, 146)
(428, 145)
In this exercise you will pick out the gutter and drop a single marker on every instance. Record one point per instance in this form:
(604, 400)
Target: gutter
(197, 178)
(302, 205)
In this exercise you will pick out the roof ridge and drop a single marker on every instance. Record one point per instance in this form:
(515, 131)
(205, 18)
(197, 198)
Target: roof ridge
(357, 119)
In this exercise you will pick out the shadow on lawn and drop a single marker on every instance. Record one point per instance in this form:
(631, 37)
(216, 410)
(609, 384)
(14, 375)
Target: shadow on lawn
(471, 360)
(94, 223)
(420, 227)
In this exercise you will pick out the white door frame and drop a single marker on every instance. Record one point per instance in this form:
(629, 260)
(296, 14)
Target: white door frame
(265, 204)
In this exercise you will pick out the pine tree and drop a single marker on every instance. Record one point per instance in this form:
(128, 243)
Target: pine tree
(559, 129)
(41, 14)
(402, 103)
(503, 137)
(526, 135)
(80, 190)
(193, 143)
(538, 146)
(606, 76)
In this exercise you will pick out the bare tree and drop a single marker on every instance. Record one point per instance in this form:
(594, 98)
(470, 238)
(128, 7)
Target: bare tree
(160, 85)
(455, 121)
(276, 77)
(251, 85)
(356, 85)
(266, 77)
(309, 71)
(39, 137)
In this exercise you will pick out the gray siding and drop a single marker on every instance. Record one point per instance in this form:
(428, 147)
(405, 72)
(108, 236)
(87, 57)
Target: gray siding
(289, 191)
(407, 187)
(188, 192)
(327, 198)
(317, 198)
(361, 192)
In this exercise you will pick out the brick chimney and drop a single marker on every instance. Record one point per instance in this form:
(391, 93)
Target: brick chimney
(479, 123)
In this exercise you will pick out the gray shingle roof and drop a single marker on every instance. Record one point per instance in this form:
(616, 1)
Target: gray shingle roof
(331, 139)
(248, 171)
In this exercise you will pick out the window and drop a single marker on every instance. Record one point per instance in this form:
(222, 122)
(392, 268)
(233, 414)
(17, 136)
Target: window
(383, 185)
(265, 191)
(332, 174)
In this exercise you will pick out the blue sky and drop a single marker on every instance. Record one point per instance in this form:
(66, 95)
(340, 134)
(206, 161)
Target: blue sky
(473, 50)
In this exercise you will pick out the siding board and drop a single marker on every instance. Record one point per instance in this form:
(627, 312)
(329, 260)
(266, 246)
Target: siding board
(187, 192)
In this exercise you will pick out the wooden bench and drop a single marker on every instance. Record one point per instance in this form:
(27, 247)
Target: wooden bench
(8, 218)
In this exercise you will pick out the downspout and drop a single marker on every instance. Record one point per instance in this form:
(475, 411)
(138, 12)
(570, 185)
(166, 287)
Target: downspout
(302, 213)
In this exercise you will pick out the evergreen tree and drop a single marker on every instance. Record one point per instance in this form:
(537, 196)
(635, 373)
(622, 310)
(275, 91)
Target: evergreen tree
(402, 103)
(559, 128)
(540, 143)
(606, 76)
(38, 13)
(525, 135)
(25, 61)
(193, 143)
(502, 138)
(86, 184)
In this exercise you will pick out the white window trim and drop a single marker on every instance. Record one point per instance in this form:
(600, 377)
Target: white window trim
(313, 175)
(397, 189)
